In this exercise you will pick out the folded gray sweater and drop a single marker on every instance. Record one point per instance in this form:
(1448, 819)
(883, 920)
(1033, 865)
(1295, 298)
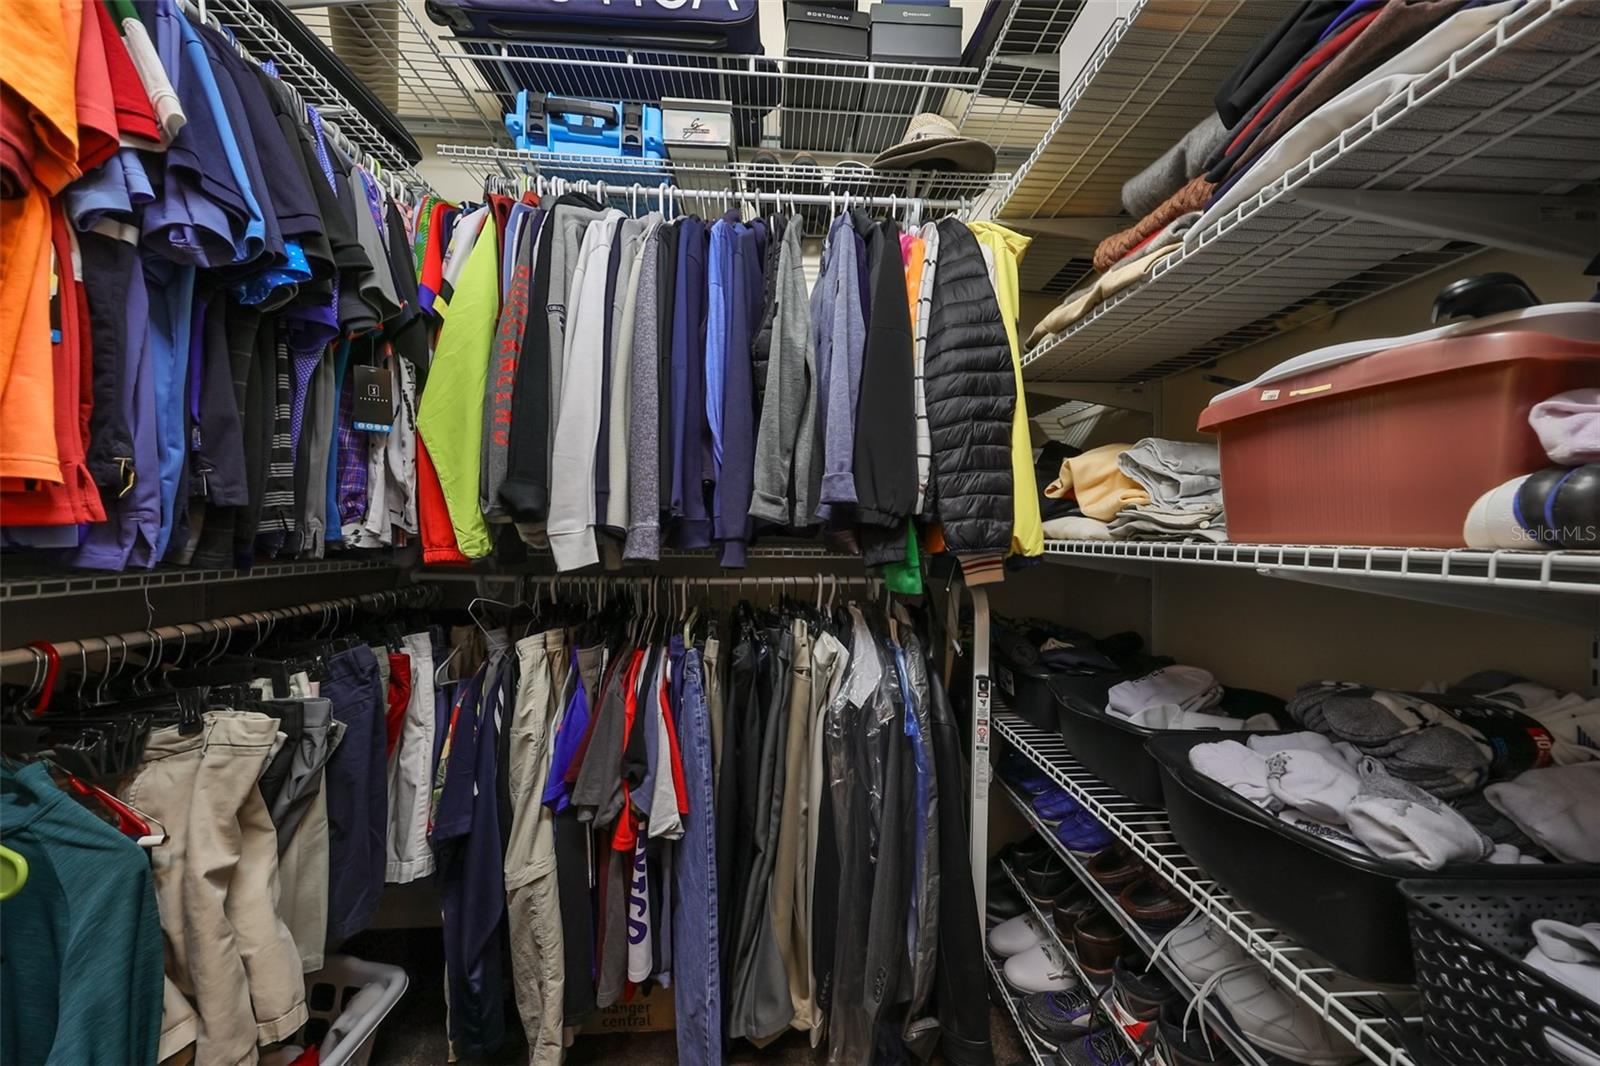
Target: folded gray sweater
(1146, 190)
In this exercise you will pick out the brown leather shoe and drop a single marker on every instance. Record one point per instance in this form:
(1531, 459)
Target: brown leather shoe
(1153, 903)
(1098, 940)
(1115, 867)
(1071, 905)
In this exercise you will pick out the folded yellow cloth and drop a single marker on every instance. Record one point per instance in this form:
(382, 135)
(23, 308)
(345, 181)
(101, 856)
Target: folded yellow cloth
(1100, 488)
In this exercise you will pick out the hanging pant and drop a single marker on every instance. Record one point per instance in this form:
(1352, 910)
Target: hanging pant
(217, 888)
(697, 987)
(533, 905)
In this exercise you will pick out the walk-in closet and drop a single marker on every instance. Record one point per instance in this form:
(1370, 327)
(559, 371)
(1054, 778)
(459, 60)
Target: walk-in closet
(969, 532)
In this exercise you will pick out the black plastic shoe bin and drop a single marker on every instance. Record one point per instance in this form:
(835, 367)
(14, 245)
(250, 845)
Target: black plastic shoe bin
(1481, 1003)
(1343, 906)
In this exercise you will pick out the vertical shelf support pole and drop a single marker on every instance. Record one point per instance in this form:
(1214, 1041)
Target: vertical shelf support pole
(982, 706)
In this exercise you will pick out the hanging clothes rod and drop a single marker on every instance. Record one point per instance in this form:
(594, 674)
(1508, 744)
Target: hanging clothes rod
(675, 581)
(669, 199)
(416, 596)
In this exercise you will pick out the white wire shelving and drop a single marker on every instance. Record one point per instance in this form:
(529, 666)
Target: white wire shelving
(1102, 1012)
(1561, 586)
(263, 42)
(1222, 1027)
(1361, 1013)
(1037, 1052)
(393, 48)
(1151, 81)
(632, 182)
(1512, 111)
(18, 587)
(803, 103)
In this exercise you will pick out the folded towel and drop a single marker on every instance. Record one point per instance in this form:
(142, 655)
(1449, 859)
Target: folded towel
(1568, 425)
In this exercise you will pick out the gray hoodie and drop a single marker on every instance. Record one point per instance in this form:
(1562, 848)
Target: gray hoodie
(643, 448)
(788, 410)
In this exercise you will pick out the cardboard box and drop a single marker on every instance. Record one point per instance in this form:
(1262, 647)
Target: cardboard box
(651, 1012)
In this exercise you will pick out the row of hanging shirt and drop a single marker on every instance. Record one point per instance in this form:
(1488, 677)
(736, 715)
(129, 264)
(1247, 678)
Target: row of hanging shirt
(198, 277)
(611, 385)
(761, 811)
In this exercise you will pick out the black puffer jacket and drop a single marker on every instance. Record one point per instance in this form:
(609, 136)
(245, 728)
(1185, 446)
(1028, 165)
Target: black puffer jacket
(971, 394)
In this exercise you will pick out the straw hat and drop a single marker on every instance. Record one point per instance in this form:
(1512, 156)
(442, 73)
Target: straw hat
(934, 139)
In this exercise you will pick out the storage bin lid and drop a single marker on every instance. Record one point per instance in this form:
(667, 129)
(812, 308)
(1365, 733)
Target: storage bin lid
(1563, 322)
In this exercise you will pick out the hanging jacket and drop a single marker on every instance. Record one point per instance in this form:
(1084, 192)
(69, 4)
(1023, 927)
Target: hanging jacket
(971, 395)
(886, 430)
(526, 488)
(1007, 248)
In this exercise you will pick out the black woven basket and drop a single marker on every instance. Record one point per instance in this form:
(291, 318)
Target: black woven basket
(1480, 1003)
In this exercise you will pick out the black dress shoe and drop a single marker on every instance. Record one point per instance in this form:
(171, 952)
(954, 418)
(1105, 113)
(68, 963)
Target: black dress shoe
(1045, 877)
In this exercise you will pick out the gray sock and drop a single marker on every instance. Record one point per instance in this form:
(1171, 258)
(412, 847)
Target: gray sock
(1362, 720)
(1477, 809)
(1440, 748)
(1398, 820)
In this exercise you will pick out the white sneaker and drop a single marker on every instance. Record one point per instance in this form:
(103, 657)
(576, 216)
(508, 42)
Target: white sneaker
(1039, 970)
(1269, 1017)
(1015, 935)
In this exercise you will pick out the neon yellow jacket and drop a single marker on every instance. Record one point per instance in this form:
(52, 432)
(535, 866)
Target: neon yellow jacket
(450, 417)
(1006, 247)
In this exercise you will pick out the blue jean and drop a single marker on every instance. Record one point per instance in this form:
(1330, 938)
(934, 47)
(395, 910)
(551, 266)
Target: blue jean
(697, 990)
(358, 793)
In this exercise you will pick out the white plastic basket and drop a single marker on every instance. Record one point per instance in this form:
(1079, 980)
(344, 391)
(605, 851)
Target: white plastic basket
(346, 1000)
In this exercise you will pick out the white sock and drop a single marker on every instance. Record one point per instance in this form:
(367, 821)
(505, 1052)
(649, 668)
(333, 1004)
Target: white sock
(1399, 821)
(1237, 767)
(1312, 783)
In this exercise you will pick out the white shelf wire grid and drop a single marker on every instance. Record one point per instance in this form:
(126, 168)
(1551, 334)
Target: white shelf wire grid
(1554, 571)
(1037, 1052)
(1142, 939)
(1064, 950)
(1017, 96)
(1360, 1012)
(394, 49)
(802, 103)
(1559, 585)
(1514, 110)
(625, 176)
(16, 588)
(1151, 81)
(264, 43)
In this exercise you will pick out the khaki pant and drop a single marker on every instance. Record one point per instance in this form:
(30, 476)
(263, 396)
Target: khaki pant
(217, 888)
(533, 906)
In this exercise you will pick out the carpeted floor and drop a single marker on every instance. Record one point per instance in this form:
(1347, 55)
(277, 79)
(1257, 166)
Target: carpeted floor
(414, 1032)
